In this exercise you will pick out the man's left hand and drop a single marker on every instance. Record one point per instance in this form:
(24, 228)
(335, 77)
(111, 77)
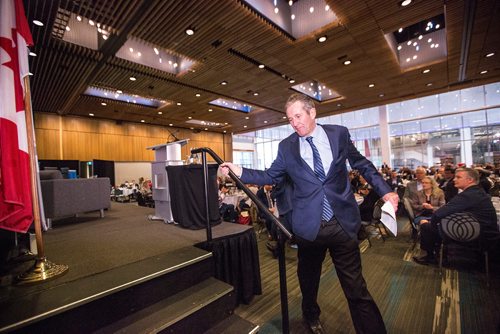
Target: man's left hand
(393, 198)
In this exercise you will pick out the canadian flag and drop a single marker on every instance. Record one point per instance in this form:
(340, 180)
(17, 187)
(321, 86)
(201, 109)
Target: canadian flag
(15, 190)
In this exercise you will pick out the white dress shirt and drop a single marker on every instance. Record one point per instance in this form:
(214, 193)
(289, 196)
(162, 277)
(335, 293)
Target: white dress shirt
(320, 140)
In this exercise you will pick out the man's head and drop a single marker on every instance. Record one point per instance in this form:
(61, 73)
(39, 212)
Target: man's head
(449, 173)
(420, 173)
(465, 178)
(394, 174)
(301, 113)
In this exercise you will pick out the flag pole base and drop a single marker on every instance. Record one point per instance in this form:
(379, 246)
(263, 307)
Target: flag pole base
(42, 271)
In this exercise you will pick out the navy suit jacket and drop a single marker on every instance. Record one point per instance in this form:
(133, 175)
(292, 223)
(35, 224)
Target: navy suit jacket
(308, 191)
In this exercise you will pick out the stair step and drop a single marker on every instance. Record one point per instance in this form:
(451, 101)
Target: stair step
(234, 324)
(175, 314)
(97, 300)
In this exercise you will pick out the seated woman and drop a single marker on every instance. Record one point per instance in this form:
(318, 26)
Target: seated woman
(427, 200)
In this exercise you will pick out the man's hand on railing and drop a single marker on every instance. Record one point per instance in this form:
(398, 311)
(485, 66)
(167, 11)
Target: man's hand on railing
(226, 166)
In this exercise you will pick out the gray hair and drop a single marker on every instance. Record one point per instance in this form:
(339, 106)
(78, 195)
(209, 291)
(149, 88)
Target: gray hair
(471, 173)
(307, 102)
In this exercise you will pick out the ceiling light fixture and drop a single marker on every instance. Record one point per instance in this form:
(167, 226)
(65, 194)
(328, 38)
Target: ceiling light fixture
(262, 66)
(223, 83)
(381, 95)
(255, 94)
(38, 23)
(104, 104)
(190, 117)
(190, 31)
(91, 23)
(68, 28)
(91, 114)
(400, 30)
(198, 95)
(322, 39)
(404, 3)
(119, 92)
(265, 122)
(483, 72)
(371, 85)
(210, 110)
(160, 113)
(429, 84)
(142, 121)
(491, 54)
(179, 104)
(247, 117)
(284, 117)
(32, 54)
(347, 62)
(290, 3)
(79, 18)
(245, 126)
(133, 78)
(170, 124)
(426, 71)
(291, 81)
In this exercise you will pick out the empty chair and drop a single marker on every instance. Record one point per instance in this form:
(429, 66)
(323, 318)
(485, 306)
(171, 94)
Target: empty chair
(411, 217)
(375, 222)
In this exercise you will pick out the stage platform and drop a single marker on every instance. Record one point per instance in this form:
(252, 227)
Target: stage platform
(125, 249)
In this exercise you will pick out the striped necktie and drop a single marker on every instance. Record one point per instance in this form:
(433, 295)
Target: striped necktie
(320, 174)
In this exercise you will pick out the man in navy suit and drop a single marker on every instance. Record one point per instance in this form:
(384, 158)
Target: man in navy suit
(325, 214)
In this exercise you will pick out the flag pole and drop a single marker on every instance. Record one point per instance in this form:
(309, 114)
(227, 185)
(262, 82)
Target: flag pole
(43, 269)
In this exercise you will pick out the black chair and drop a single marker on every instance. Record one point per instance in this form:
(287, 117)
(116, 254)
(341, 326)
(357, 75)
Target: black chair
(415, 230)
(375, 222)
(462, 229)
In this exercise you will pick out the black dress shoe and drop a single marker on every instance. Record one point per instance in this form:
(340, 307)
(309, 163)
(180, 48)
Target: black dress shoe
(426, 260)
(315, 326)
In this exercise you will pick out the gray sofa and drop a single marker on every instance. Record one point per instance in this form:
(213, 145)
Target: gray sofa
(69, 197)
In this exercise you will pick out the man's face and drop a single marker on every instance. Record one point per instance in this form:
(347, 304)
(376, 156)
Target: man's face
(419, 174)
(448, 175)
(462, 181)
(302, 122)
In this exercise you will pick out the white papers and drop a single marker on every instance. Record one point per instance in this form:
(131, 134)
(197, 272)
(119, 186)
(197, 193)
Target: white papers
(389, 218)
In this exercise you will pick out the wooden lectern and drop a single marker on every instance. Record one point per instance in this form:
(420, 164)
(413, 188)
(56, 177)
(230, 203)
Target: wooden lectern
(165, 155)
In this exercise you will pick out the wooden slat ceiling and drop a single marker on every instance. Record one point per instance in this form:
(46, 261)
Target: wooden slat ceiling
(62, 71)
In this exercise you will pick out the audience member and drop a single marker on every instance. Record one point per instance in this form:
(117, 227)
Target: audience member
(447, 185)
(472, 199)
(415, 185)
(426, 201)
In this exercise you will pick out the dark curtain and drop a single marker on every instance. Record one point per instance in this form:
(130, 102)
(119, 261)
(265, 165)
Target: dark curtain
(237, 263)
(187, 195)
(105, 168)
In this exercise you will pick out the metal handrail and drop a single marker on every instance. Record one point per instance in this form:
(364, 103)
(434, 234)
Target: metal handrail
(283, 231)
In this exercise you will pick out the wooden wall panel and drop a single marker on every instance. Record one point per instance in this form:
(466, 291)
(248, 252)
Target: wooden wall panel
(86, 139)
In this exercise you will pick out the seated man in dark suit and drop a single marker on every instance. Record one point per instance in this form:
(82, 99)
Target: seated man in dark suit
(394, 181)
(473, 199)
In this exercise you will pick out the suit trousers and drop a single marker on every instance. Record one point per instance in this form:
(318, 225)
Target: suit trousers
(345, 254)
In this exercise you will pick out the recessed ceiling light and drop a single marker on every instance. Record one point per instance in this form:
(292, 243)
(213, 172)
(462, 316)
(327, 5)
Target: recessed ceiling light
(68, 28)
(347, 62)
(142, 121)
(371, 85)
(291, 81)
(224, 131)
(399, 47)
(255, 93)
(206, 129)
(38, 23)
(405, 3)
(179, 104)
(133, 78)
(119, 92)
(262, 66)
(247, 117)
(190, 31)
(483, 72)
(290, 2)
(284, 117)
(223, 83)
(210, 110)
(265, 122)
(429, 84)
(198, 95)
(400, 30)
(245, 126)
(339, 104)
(160, 113)
(226, 123)
(91, 114)
(170, 124)
(32, 54)
(426, 71)
(381, 95)
(491, 54)
(79, 18)
(104, 104)
(322, 39)
(91, 23)
(189, 117)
